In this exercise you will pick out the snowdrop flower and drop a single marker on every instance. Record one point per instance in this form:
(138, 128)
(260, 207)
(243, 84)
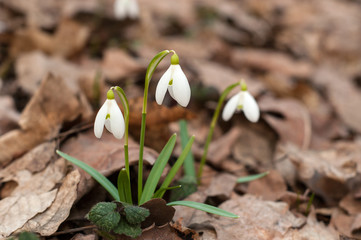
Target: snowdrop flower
(110, 116)
(126, 8)
(242, 101)
(176, 82)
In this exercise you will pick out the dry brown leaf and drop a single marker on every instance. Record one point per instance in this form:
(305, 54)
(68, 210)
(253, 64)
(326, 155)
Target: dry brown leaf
(47, 223)
(8, 115)
(270, 187)
(42, 118)
(15, 211)
(271, 61)
(258, 219)
(68, 40)
(325, 171)
(256, 144)
(160, 213)
(342, 222)
(221, 187)
(350, 204)
(118, 64)
(33, 161)
(295, 124)
(80, 236)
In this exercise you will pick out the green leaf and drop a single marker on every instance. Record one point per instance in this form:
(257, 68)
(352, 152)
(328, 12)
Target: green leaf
(251, 178)
(157, 170)
(94, 173)
(104, 215)
(154, 63)
(161, 191)
(189, 169)
(28, 236)
(131, 230)
(136, 214)
(204, 207)
(173, 171)
(124, 190)
(189, 186)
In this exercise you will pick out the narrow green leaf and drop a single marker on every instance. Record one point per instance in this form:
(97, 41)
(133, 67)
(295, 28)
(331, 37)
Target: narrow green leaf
(173, 171)
(154, 63)
(28, 236)
(94, 173)
(136, 214)
(104, 215)
(157, 170)
(189, 169)
(204, 207)
(161, 191)
(124, 190)
(189, 186)
(251, 178)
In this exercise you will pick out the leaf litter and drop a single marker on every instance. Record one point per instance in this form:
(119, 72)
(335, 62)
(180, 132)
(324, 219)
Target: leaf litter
(304, 76)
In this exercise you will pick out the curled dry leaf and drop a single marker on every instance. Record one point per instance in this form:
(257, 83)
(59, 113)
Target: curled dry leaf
(294, 116)
(15, 211)
(160, 213)
(221, 187)
(47, 223)
(42, 118)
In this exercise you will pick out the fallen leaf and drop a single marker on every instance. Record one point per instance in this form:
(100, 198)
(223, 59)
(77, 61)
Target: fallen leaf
(47, 223)
(118, 64)
(80, 236)
(294, 116)
(350, 204)
(160, 213)
(221, 187)
(15, 211)
(42, 118)
(8, 115)
(271, 187)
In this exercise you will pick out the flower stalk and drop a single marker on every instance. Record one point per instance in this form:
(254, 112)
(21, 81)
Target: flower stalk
(211, 128)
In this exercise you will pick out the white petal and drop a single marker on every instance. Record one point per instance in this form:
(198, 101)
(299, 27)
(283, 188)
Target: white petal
(133, 10)
(100, 119)
(117, 125)
(170, 90)
(120, 9)
(250, 107)
(163, 85)
(231, 107)
(107, 125)
(181, 88)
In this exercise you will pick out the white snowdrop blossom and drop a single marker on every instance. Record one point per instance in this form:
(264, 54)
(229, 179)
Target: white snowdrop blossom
(176, 82)
(126, 8)
(110, 116)
(242, 101)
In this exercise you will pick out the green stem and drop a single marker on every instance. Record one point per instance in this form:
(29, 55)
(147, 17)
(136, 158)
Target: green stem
(150, 70)
(211, 128)
(125, 104)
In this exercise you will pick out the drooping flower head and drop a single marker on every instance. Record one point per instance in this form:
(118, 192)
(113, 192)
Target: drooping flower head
(126, 8)
(110, 116)
(242, 101)
(176, 82)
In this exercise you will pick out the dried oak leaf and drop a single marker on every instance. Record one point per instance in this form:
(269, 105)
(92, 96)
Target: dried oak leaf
(8, 115)
(42, 118)
(295, 124)
(160, 213)
(47, 223)
(221, 187)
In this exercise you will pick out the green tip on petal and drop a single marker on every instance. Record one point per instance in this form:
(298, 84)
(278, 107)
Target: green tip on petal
(174, 59)
(243, 86)
(110, 94)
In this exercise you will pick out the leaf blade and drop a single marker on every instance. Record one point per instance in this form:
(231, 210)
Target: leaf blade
(102, 180)
(204, 207)
(251, 178)
(157, 170)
